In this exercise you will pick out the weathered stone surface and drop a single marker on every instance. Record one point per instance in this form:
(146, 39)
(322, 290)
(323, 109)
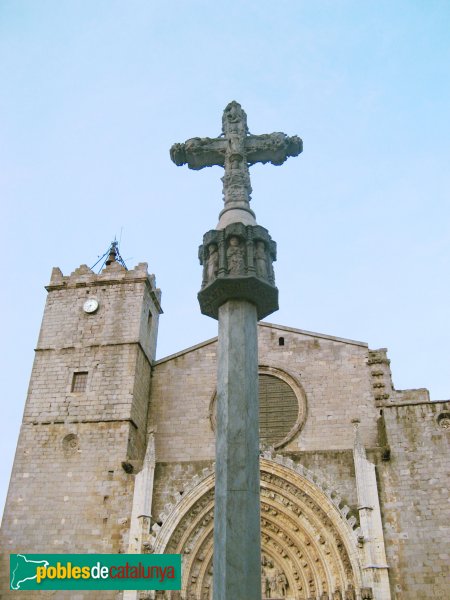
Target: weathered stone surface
(237, 264)
(238, 288)
(68, 490)
(237, 535)
(414, 489)
(235, 151)
(337, 380)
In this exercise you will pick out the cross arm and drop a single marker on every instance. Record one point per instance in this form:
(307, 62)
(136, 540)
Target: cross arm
(272, 147)
(198, 153)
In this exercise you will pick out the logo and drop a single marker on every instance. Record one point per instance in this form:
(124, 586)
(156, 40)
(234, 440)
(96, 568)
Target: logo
(95, 571)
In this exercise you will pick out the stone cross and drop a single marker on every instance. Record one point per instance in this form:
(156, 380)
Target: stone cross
(235, 150)
(238, 289)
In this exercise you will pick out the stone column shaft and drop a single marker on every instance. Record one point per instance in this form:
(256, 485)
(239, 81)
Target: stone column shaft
(238, 288)
(375, 568)
(142, 505)
(237, 537)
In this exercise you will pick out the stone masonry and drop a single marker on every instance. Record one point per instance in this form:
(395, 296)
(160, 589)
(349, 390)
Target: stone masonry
(71, 488)
(404, 435)
(414, 487)
(80, 454)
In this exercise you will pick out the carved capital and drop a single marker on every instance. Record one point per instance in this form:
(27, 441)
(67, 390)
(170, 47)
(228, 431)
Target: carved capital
(237, 264)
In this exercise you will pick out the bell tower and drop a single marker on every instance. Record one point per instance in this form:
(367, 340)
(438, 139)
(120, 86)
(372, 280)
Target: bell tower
(85, 418)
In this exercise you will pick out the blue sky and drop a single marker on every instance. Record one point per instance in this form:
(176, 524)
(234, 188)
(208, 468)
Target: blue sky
(95, 93)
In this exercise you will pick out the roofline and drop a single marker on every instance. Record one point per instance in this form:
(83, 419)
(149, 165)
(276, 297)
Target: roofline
(406, 404)
(271, 326)
(315, 334)
(185, 351)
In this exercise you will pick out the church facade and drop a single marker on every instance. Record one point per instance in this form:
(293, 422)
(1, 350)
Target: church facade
(116, 454)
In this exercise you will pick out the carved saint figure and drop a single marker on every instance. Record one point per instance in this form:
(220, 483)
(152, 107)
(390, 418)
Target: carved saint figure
(213, 262)
(207, 593)
(235, 257)
(273, 583)
(444, 421)
(269, 576)
(261, 260)
(234, 126)
(236, 150)
(234, 120)
(282, 584)
(350, 592)
(337, 595)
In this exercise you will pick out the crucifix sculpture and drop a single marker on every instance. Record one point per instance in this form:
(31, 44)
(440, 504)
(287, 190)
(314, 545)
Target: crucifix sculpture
(236, 150)
(238, 289)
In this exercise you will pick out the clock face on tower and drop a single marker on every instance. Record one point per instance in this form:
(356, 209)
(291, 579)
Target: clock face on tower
(90, 306)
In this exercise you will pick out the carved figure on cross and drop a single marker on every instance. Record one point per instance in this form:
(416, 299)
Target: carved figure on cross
(235, 150)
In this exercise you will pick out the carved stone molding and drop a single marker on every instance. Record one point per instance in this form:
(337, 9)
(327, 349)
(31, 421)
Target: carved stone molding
(443, 420)
(71, 444)
(309, 546)
(235, 150)
(237, 264)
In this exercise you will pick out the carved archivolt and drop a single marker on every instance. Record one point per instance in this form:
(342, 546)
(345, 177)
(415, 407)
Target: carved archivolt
(309, 547)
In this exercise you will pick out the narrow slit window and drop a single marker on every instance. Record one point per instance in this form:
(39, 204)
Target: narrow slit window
(281, 341)
(79, 381)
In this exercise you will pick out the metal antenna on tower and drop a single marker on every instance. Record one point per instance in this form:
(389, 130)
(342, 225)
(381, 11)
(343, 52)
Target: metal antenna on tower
(111, 255)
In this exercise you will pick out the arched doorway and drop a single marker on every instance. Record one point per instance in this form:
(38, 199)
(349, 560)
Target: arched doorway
(309, 547)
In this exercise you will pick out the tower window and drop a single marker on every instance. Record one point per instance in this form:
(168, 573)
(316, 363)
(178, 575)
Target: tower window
(79, 381)
(281, 341)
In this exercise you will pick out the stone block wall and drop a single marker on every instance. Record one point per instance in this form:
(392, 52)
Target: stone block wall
(109, 390)
(335, 377)
(68, 494)
(408, 443)
(414, 486)
(334, 466)
(126, 300)
(333, 373)
(72, 485)
(182, 388)
(73, 478)
(171, 479)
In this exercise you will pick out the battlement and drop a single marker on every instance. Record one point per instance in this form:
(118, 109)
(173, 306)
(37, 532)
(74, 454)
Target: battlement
(414, 396)
(383, 388)
(411, 427)
(111, 274)
(417, 411)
